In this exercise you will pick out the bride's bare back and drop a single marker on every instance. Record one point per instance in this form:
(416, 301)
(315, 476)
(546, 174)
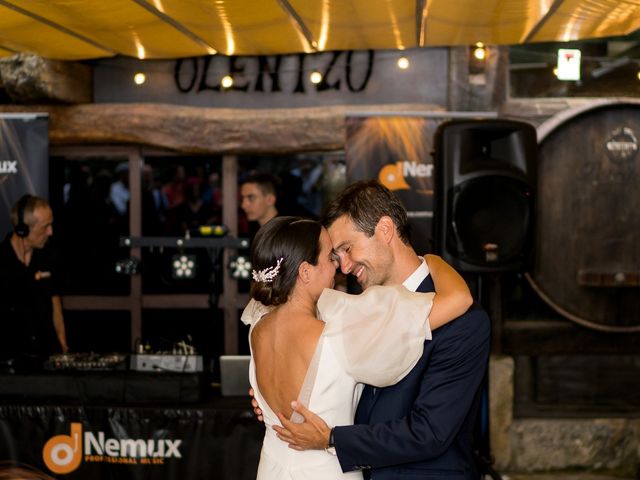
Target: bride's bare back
(283, 344)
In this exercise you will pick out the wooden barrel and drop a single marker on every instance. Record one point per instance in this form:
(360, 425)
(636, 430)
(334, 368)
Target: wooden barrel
(587, 264)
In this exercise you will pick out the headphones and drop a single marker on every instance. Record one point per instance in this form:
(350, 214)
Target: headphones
(21, 229)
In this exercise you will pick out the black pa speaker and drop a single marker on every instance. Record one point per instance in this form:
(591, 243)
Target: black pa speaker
(484, 204)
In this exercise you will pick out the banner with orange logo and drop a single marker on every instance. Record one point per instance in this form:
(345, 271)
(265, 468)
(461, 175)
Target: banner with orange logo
(80, 442)
(396, 151)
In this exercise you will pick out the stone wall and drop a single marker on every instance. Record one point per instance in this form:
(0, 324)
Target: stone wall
(543, 445)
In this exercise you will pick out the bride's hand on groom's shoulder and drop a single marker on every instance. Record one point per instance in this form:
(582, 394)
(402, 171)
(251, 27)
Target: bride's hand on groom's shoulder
(313, 434)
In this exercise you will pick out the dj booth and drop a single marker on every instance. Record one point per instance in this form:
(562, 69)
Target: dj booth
(127, 425)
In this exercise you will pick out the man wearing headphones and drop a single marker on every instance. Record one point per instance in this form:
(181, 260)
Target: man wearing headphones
(30, 307)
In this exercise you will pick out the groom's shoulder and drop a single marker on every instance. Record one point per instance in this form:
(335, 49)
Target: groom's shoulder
(474, 322)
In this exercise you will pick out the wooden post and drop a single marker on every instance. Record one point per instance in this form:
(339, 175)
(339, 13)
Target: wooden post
(135, 230)
(229, 285)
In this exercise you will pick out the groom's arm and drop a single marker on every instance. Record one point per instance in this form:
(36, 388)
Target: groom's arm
(447, 392)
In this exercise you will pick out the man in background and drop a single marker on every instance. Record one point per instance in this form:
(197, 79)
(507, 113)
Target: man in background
(258, 196)
(30, 306)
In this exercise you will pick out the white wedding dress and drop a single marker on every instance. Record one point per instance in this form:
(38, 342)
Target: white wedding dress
(375, 338)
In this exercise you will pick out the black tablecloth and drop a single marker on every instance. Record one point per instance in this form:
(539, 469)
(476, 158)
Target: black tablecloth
(124, 432)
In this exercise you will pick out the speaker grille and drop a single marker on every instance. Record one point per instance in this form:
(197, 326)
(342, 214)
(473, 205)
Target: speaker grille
(491, 220)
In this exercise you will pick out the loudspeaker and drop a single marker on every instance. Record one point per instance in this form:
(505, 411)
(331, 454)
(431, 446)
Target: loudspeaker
(484, 194)
(22, 229)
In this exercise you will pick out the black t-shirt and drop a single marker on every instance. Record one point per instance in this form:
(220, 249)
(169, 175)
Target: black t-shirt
(26, 312)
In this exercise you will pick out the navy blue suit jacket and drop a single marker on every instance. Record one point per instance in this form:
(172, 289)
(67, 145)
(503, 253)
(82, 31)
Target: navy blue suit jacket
(423, 426)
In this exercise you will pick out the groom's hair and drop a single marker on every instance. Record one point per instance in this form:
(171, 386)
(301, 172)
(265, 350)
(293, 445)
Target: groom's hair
(365, 203)
(292, 239)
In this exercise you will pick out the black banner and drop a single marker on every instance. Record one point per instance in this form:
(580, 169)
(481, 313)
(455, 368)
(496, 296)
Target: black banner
(79, 442)
(24, 160)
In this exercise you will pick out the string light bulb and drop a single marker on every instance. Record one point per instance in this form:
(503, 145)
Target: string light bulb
(139, 78)
(403, 63)
(315, 77)
(639, 75)
(227, 81)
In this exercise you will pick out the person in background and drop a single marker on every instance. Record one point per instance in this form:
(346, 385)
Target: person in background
(173, 190)
(119, 193)
(258, 197)
(31, 315)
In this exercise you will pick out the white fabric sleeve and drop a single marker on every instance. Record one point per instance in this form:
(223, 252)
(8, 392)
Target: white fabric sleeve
(379, 335)
(254, 311)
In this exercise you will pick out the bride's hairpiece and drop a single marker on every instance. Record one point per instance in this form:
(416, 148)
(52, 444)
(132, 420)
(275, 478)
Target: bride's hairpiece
(268, 274)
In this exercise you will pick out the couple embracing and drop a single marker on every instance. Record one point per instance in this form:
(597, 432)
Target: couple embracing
(387, 383)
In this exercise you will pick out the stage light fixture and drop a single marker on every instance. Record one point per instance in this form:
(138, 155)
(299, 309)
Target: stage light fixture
(240, 267)
(184, 266)
(128, 266)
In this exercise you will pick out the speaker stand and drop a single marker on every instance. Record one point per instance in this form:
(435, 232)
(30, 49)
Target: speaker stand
(491, 300)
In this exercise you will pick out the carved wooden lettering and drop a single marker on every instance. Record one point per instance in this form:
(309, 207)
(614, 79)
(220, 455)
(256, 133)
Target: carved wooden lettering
(270, 74)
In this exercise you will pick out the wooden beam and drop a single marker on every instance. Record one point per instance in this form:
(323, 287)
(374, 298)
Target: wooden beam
(529, 36)
(205, 130)
(30, 79)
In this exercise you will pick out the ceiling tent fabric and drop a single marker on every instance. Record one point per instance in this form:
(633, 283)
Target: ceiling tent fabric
(148, 29)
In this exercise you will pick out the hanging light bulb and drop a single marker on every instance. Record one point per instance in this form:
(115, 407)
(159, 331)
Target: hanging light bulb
(315, 77)
(139, 78)
(403, 63)
(227, 81)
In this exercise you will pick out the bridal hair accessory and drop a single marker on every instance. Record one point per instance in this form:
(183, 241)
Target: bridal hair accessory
(268, 274)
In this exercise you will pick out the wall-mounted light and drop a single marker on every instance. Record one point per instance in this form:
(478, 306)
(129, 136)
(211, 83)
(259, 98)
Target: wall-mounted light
(139, 78)
(227, 81)
(403, 63)
(477, 59)
(315, 77)
(479, 51)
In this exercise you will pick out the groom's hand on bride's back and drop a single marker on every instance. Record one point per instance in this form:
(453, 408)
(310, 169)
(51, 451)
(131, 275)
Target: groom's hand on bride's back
(313, 434)
(254, 404)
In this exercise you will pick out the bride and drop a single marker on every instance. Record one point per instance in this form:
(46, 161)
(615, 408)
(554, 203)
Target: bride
(318, 345)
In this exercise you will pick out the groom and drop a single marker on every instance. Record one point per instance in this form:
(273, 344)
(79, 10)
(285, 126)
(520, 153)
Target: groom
(422, 427)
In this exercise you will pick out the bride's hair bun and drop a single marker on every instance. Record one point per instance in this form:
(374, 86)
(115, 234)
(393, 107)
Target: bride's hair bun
(278, 249)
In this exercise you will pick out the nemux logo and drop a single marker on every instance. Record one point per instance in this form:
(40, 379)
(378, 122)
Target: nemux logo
(63, 453)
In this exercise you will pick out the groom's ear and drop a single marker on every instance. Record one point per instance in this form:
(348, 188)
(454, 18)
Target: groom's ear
(386, 228)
